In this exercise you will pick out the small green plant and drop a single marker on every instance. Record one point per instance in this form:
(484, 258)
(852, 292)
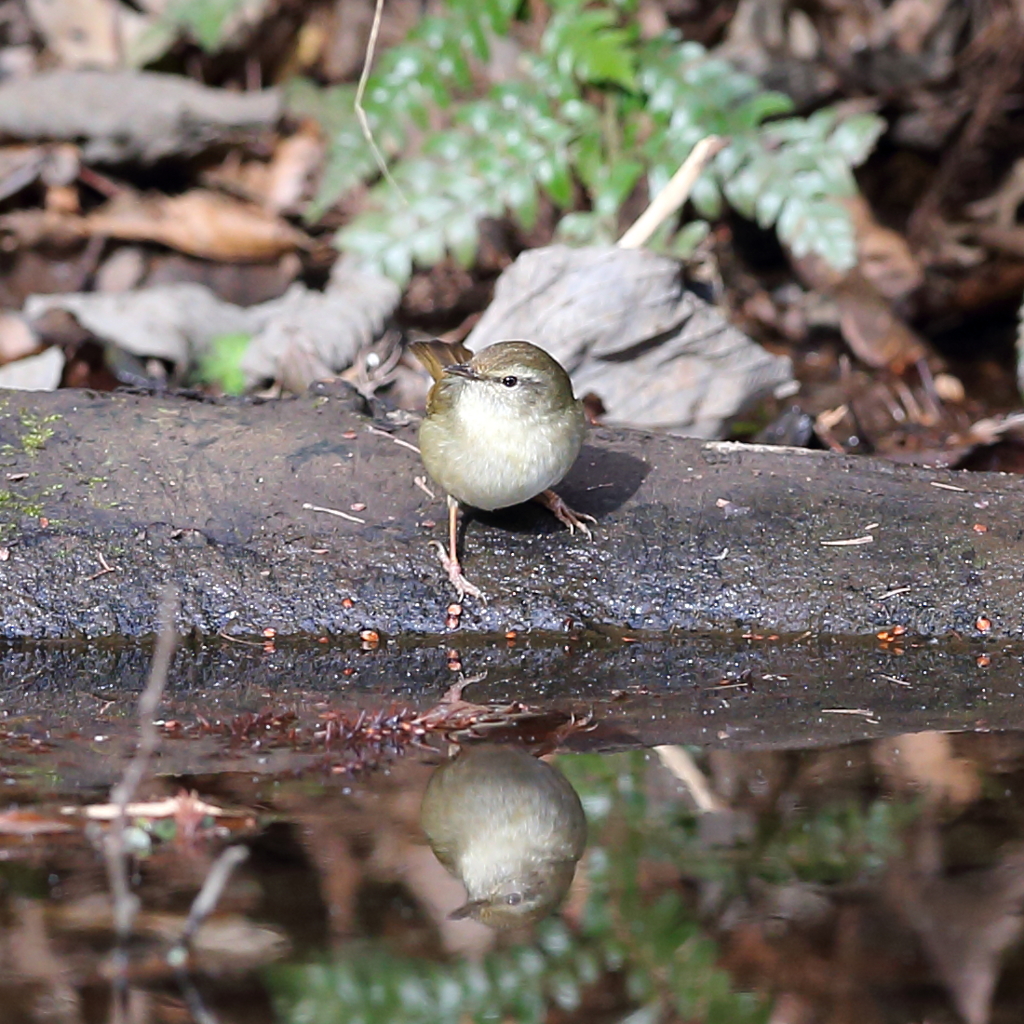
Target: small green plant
(220, 364)
(586, 117)
(211, 23)
(37, 431)
(20, 504)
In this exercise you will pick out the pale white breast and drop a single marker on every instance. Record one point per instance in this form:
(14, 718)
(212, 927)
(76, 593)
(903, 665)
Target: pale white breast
(501, 460)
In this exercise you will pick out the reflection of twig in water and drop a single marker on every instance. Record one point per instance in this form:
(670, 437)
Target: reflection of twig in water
(126, 903)
(193, 1000)
(202, 906)
(208, 897)
(681, 764)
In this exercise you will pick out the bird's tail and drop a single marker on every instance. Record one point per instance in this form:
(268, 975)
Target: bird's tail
(436, 355)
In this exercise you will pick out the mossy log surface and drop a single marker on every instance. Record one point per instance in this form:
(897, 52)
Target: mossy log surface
(103, 498)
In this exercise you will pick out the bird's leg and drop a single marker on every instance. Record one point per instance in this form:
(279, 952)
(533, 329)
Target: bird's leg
(574, 520)
(450, 558)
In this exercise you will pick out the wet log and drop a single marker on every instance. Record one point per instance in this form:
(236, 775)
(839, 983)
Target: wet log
(105, 497)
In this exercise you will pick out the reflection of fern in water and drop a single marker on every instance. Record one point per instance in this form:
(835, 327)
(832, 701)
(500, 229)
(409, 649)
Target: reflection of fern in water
(653, 950)
(649, 949)
(594, 108)
(521, 984)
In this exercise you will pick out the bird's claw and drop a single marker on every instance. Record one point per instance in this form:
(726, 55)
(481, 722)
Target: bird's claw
(454, 571)
(564, 514)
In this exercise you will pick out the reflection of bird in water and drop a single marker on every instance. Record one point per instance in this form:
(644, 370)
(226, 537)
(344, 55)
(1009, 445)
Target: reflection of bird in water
(509, 827)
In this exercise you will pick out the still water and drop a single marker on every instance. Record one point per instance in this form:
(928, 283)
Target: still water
(715, 841)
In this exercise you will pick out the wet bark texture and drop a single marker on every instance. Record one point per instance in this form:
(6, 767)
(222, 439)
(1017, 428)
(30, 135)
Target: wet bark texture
(691, 535)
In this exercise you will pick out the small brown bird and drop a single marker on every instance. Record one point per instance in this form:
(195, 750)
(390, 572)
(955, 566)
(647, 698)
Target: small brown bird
(502, 426)
(510, 827)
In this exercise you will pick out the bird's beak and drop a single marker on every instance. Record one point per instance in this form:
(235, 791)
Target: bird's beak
(467, 909)
(462, 370)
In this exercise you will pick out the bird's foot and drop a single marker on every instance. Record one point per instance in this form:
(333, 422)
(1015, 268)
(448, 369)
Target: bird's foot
(574, 520)
(454, 570)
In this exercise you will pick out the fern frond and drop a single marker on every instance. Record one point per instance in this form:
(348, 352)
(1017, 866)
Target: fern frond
(592, 112)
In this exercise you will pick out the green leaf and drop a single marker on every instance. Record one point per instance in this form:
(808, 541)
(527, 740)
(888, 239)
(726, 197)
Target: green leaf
(743, 188)
(821, 227)
(855, 138)
(463, 237)
(761, 107)
(211, 22)
(553, 173)
(617, 185)
(396, 263)
(686, 240)
(523, 200)
(768, 203)
(585, 228)
(590, 46)
(220, 365)
(706, 197)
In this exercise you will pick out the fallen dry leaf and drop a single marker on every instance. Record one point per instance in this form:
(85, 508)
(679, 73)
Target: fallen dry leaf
(17, 339)
(41, 372)
(966, 920)
(877, 336)
(927, 763)
(886, 271)
(19, 167)
(279, 185)
(172, 322)
(81, 33)
(655, 354)
(295, 160)
(30, 823)
(1000, 207)
(883, 255)
(201, 223)
(913, 21)
(305, 335)
(27, 229)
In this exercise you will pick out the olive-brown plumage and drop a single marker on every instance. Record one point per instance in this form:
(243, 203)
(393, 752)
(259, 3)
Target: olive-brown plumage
(510, 827)
(502, 426)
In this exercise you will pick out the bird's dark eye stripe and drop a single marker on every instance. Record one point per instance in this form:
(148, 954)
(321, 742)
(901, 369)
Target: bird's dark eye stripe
(510, 382)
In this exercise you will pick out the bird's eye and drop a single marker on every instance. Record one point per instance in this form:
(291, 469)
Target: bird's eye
(513, 899)
(510, 382)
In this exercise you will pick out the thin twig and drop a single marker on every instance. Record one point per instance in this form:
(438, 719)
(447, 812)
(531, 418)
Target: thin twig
(126, 903)
(238, 640)
(106, 568)
(333, 512)
(364, 123)
(397, 440)
(895, 679)
(862, 712)
(674, 194)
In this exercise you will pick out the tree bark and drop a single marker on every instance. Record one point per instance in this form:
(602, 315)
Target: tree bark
(691, 535)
